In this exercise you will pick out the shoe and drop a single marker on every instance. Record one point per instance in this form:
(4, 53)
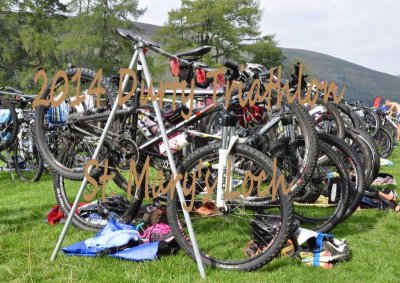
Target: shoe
(338, 253)
(207, 209)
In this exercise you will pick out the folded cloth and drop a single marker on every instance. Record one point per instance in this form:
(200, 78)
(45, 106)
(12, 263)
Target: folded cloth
(55, 215)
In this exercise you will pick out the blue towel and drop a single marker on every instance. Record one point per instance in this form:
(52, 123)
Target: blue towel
(146, 251)
(114, 235)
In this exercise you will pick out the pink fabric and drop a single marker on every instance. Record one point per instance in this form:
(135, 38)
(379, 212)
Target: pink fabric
(159, 229)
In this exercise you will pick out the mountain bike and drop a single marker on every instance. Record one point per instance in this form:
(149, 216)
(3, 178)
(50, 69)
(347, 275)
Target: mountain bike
(26, 159)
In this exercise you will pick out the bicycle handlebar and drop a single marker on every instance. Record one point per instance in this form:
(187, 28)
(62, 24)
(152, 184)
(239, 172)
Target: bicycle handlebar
(9, 88)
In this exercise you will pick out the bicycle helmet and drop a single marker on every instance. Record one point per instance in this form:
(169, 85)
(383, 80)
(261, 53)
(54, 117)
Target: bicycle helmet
(253, 116)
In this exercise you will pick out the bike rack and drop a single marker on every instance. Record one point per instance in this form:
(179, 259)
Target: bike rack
(137, 55)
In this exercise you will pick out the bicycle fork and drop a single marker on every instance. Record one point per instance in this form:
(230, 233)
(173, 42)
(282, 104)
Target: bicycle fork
(228, 139)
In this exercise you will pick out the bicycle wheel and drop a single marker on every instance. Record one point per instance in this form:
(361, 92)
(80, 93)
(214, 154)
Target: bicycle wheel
(222, 236)
(350, 118)
(304, 152)
(8, 123)
(370, 141)
(329, 122)
(91, 215)
(370, 120)
(58, 133)
(360, 145)
(326, 203)
(353, 168)
(28, 162)
(392, 129)
(385, 142)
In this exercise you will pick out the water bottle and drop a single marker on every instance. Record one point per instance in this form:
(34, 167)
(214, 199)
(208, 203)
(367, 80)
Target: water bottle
(176, 143)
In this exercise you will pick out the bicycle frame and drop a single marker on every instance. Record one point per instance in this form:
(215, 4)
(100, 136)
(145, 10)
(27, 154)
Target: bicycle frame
(198, 115)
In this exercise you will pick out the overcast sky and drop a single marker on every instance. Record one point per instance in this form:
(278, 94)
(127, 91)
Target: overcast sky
(365, 32)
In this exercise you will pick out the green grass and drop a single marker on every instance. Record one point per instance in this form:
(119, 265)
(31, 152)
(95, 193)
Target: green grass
(26, 244)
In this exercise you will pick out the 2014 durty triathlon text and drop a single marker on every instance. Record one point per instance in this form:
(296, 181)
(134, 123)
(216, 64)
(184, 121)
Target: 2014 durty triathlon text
(329, 90)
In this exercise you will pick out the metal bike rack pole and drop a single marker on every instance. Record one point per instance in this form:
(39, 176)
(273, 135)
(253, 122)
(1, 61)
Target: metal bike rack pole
(95, 154)
(138, 53)
(173, 167)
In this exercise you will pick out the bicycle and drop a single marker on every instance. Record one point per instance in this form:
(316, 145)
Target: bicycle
(26, 160)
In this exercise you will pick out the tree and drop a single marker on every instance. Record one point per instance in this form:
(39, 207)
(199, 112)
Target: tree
(223, 24)
(90, 35)
(265, 52)
(29, 38)
(48, 34)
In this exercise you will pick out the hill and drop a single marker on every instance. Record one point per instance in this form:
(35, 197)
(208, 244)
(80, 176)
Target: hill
(361, 83)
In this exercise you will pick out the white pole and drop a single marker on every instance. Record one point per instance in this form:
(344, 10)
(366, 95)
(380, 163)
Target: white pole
(138, 52)
(173, 167)
(95, 154)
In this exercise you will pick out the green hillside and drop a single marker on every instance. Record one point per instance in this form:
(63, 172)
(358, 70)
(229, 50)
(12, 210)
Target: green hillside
(361, 83)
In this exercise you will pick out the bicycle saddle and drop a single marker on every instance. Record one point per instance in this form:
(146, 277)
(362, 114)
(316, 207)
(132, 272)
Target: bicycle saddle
(129, 35)
(197, 52)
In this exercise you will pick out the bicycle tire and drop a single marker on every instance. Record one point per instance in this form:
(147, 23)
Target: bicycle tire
(46, 152)
(333, 114)
(370, 141)
(367, 155)
(350, 118)
(371, 120)
(324, 219)
(208, 256)
(391, 129)
(357, 181)
(385, 142)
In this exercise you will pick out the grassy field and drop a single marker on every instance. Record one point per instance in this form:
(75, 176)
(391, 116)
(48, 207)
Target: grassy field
(26, 243)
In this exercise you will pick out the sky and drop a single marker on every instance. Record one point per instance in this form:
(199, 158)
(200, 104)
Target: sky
(365, 32)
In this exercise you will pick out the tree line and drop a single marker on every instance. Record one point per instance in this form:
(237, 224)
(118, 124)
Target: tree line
(48, 34)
